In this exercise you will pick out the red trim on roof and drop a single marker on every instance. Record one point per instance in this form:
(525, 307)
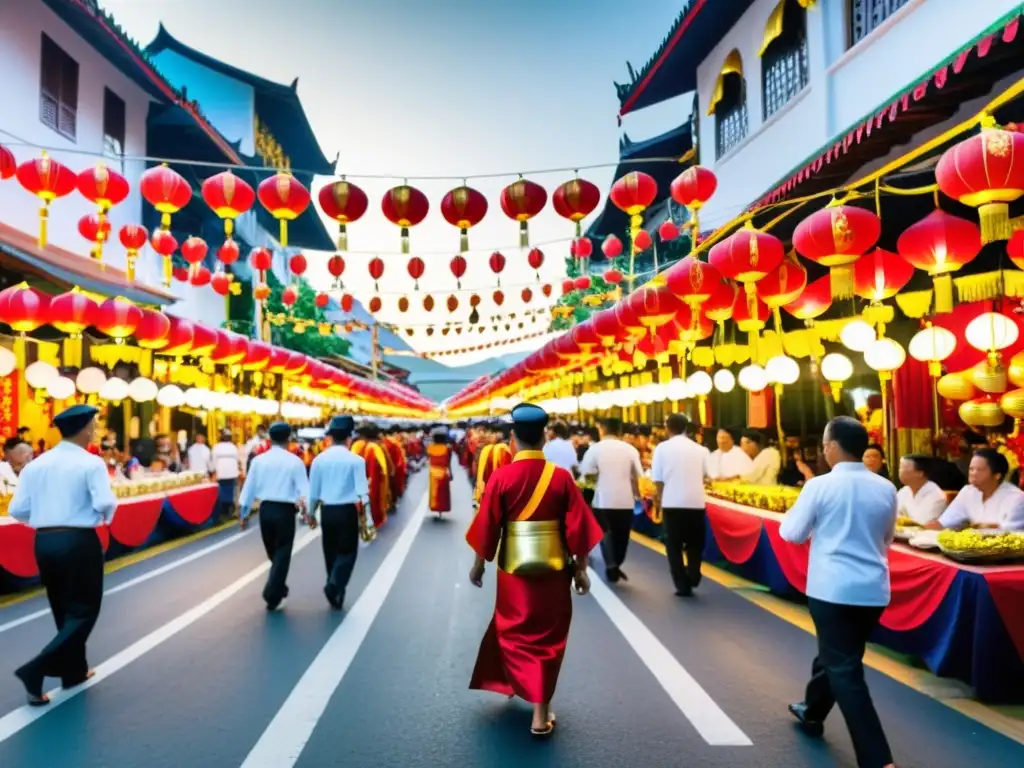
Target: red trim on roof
(697, 6)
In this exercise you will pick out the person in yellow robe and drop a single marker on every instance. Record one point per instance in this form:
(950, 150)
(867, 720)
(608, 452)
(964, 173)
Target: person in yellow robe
(494, 454)
(368, 447)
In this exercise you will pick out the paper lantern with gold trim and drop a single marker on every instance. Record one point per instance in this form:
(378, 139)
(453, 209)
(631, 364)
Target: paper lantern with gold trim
(693, 188)
(956, 387)
(72, 312)
(230, 349)
(257, 356)
(228, 197)
(133, 238)
(23, 308)
(719, 307)
(118, 318)
(153, 330)
(982, 412)
(104, 188)
(48, 180)
(1012, 403)
(746, 256)
(8, 163)
(835, 237)
(1015, 370)
(880, 275)
(1015, 249)
(813, 302)
(750, 317)
(166, 190)
(693, 281)
(632, 194)
(344, 202)
(781, 286)
(204, 340)
(940, 244)
(405, 207)
(464, 207)
(521, 201)
(179, 337)
(985, 171)
(654, 307)
(285, 198)
(575, 200)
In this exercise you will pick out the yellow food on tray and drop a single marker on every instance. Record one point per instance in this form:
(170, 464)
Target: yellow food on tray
(975, 543)
(770, 498)
(906, 522)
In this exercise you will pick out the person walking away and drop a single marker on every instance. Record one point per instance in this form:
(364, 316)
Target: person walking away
(558, 450)
(679, 467)
(65, 495)
(616, 466)
(493, 455)
(338, 484)
(849, 515)
(227, 467)
(439, 454)
(254, 446)
(277, 478)
(546, 531)
(199, 455)
(368, 447)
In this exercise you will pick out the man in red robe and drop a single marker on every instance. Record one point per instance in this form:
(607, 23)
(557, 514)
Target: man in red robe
(439, 457)
(377, 472)
(494, 455)
(546, 532)
(400, 468)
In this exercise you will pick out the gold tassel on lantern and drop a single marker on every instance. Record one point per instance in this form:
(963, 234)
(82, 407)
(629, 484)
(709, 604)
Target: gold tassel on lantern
(283, 234)
(841, 281)
(995, 222)
(72, 352)
(405, 239)
(342, 237)
(168, 271)
(943, 293)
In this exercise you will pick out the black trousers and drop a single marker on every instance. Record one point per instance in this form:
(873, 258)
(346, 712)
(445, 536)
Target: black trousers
(616, 523)
(684, 532)
(71, 568)
(277, 527)
(837, 677)
(340, 523)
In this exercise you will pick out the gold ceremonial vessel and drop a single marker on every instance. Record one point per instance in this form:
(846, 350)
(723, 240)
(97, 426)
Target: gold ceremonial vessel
(532, 547)
(367, 532)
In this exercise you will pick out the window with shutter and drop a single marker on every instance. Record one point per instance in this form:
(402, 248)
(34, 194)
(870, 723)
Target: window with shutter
(58, 89)
(114, 124)
(784, 62)
(868, 15)
(731, 115)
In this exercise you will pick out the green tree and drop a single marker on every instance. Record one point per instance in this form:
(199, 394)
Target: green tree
(310, 342)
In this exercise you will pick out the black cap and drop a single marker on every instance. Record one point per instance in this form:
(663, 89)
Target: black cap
(341, 427)
(280, 432)
(73, 420)
(528, 413)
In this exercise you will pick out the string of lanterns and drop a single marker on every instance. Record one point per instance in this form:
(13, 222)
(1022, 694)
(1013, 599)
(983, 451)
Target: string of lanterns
(468, 349)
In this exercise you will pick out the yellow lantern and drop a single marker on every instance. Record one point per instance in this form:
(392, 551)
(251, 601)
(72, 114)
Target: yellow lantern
(956, 386)
(1012, 403)
(982, 412)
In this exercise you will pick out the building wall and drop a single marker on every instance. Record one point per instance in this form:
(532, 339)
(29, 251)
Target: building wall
(844, 85)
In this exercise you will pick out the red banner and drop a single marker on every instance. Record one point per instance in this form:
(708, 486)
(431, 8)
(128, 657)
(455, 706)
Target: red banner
(9, 405)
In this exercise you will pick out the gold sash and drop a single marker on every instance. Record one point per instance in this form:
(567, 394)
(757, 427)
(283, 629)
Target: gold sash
(529, 546)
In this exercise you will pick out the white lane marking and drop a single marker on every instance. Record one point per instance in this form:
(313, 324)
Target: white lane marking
(137, 580)
(693, 701)
(20, 718)
(288, 733)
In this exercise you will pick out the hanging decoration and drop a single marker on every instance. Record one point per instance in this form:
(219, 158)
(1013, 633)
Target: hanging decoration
(1015, 249)
(415, 268)
(405, 207)
(527, 295)
(612, 277)
(497, 264)
(642, 241)
(835, 237)
(165, 244)
(464, 207)
(575, 200)
(375, 305)
(297, 265)
(880, 275)
(261, 260)
(428, 303)
(498, 297)
(221, 283)
(581, 249)
(403, 305)
(194, 251)
(452, 303)
(668, 231)
(118, 318)
(289, 296)
(746, 256)
(336, 268)
(376, 270)
(153, 330)
(48, 180)
(347, 303)
(458, 267)
(535, 258)
(8, 163)
(781, 286)
(693, 188)
(611, 247)
(23, 308)
(285, 198)
(521, 201)
(201, 276)
(72, 313)
(228, 197)
(95, 229)
(167, 191)
(582, 283)
(632, 194)
(568, 286)
(105, 189)
(344, 202)
(940, 244)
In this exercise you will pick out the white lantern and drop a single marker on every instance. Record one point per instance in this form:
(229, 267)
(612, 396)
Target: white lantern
(61, 388)
(40, 375)
(782, 370)
(885, 356)
(142, 390)
(195, 397)
(8, 361)
(836, 368)
(990, 331)
(90, 380)
(700, 384)
(170, 396)
(114, 389)
(658, 392)
(753, 378)
(724, 380)
(857, 335)
(677, 390)
(932, 345)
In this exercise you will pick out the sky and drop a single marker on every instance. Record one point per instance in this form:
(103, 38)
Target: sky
(443, 88)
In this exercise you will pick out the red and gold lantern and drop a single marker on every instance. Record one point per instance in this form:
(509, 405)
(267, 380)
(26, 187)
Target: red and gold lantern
(229, 349)
(415, 268)
(95, 229)
(118, 318)
(813, 302)
(986, 171)
(23, 308)
(535, 258)
(458, 267)
(229, 197)
(297, 264)
(200, 276)
(221, 283)
(880, 275)
(153, 330)
(781, 286)
(632, 194)
(693, 188)
(285, 198)
(581, 249)
(642, 241)
(464, 207)
(692, 281)
(668, 231)
(48, 180)
(344, 202)
(336, 266)
(654, 307)
(105, 188)
(575, 200)
(835, 237)
(72, 312)
(521, 201)
(941, 244)
(257, 356)
(405, 207)
(228, 252)
(376, 269)
(179, 337)
(165, 244)
(497, 264)
(194, 251)
(611, 247)
(746, 256)
(166, 190)
(8, 164)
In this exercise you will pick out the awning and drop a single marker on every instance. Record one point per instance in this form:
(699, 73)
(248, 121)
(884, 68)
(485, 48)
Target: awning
(733, 65)
(54, 265)
(774, 27)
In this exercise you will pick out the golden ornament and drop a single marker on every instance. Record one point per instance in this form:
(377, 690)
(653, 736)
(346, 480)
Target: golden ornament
(982, 412)
(1015, 371)
(956, 386)
(1012, 403)
(989, 378)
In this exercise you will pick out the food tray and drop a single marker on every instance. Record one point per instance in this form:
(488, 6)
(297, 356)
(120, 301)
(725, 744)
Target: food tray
(990, 557)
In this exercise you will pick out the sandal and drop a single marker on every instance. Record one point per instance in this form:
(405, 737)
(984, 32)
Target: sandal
(547, 730)
(88, 676)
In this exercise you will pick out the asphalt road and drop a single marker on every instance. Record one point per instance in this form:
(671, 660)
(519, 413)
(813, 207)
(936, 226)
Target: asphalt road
(193, 671)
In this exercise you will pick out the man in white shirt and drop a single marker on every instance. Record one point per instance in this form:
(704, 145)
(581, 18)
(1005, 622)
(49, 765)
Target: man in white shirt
(558, 450)
(729, 460)
(277, 478)
(989, 501)
(919, 499)
(616, 466)
(849, 515)
(337, 482)
(767, 461)
(17, 454)
(678, 470)
(226, 465)
(65, 495)
(199, 457)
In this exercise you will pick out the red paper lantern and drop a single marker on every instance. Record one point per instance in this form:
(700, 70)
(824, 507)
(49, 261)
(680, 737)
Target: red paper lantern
(95, 229)
(668, 231)
(747, 255)
(230, 348)
(229, 252)
(527, 295)
(257, 356)
(375, 305)
(229, 197)
(499, 298)
(165, 244)
(941, 244)
(582, 248)
(813, 302)
(750, 313)
(181, 274)
(376, 270)
(632, 194)
(346, 203)
(693, 188)
(347, 302)
(261, 259)
(415, 268)
(179, 337)
(521, 201)
(194, 250)
(986, 171)
(535, 258)
(153, 330)
(72, 312)
(642, 241)
(8, 164)
(781, 286)
(203, 340)
(200, 276)
(836, 237)
(452, 303)
(880, 275)
(568, 286)
(612, 277)
(118, 318)
(285, 199)
(575, 200)
(289, 296)
(654, 307)
(133, 238)
(322, 300)
(719, 306)
(581, 283)
(297, 264)
(221, 283)
(105, 189)
(464, 207)
(693, 281)
(607, 328)
(497, 264)
(166, 190)
(428, 303)
(48, 180)
(546, 289)
(278, 362)
(23, 308)
(1015, 248)
(405, 207)
(336, 266)
(611, 247)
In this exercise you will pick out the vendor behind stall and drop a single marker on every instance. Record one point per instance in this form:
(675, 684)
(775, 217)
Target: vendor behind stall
(988, 501)
(919, 499)
(729, 461)
(766, 460)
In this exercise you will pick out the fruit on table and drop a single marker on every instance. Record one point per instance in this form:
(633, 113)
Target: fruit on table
(972, 541)
(906, 522)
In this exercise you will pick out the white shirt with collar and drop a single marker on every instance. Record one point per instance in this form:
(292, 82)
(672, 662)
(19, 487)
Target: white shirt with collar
(850, 516)
(731, 463)
(681, 465)
(66, 487)
(338, 476)
(199, 458)
(765, 470)
(561, 453)
(8, 480)
(276, 475)
(1004, 508)
(226, 461)
(616, 463)
(924, 506)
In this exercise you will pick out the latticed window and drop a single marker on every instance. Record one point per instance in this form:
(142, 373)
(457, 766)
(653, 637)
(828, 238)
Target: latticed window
(868, 15)
(58, 89)
(784, 61)
(731, 115)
